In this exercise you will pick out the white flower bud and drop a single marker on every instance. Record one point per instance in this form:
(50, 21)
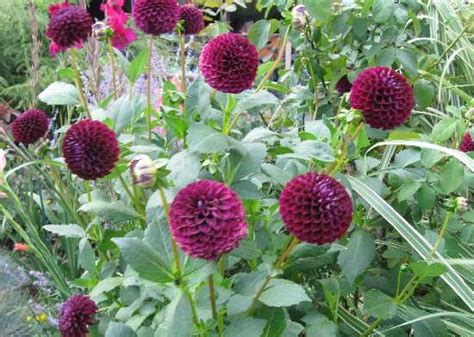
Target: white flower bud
(143, 171)
(300, 16)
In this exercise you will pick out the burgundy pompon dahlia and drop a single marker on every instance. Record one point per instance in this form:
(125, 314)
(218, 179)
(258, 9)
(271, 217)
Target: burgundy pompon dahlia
(69, 26)
(467, 143)
(316, 208)
(229, 63)
(384, 96)
(156, 17)
(76, 315)
(193, 19)
(343, 85)
(30, 126)
(90, 149)
(207, 219)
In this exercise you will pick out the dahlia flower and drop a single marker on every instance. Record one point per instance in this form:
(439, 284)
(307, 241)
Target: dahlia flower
(116, 20)
(467, 144)
(156, 17)
(90, 149)
(193, 19)
(343, 85)
(30, 126)
(76, 315)
(384, 96)
(143, 171)
(69, 26)
(316, 208)
(229, 63)
(207, 219)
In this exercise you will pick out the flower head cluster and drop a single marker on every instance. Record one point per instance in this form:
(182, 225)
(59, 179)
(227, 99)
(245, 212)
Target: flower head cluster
(316, 208)
(156, 17)
(69, 26)
(90, 149)
(76, 315)
(384, 96)
(117, 19)
(467, 143)
(207, 219)
(193, 19)
(229, 63)
(30, 126)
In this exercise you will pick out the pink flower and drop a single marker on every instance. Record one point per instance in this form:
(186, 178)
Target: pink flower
(117, 19)
(20, 247)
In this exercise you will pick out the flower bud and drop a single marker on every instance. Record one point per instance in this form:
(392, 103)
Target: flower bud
(143, 171)
(100, 30)
(300, 16)
(21, 247)
(462, 204)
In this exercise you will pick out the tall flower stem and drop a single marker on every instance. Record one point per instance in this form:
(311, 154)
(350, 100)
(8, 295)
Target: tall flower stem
(279, 263)
(278, 60)
(182, 47)
(212, 296)
(110, 51)
(78, 82)
(166, 208)
(148, 88)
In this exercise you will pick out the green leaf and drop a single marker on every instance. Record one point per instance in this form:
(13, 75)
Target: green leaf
(443, 130)
(245, 327)
(115, 211)
(123, 111)
(238, 304)
(86, 257)
(379, 305)
(104, 286)
(119, 330)
(255, 100)
(204, 139)
(414, 239)
(258, 134)
(276, 321)
(283, 293)
(123, 62)
(60, 93)
(247, 160)
(277, 174)
(359, 254)
(424, 93)
(321, 10)
(407, 58)
(408, 189)
(177, 319)
(312, 148)
(426, 197)
(69, 231)
(144, 260)
(320, 326)
(198, 100)
(332, 293)
(383, 11)
(259, 33)
(137, 66)
(425, 270)
(184, 167)
(157, 236)
(452, 176)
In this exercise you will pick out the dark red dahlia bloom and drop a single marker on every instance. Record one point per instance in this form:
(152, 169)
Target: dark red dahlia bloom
(467, 144)
(229, 63)
(316, 208)
(193, 19)
(90, 149)
(207, 219)
(156, 17)
(76, 315)
(384, 96)
(343, 85)
(69, 26)
(30, 126)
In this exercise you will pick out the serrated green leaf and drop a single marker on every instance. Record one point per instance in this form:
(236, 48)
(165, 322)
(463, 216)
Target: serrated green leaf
(379, 305)
(359, 254)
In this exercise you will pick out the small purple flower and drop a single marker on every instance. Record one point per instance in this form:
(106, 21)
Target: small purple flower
(76, 315)
(467, 144)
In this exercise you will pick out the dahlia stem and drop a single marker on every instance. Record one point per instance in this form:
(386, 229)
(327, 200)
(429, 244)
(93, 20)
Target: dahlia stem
(212, 296)
(173, 242)
(193, 306)
(345, 146)
(277, 62)
(148, 88)
(110, 51)
(292, 243)
(182, 46)
(130, 195)
(78, 82)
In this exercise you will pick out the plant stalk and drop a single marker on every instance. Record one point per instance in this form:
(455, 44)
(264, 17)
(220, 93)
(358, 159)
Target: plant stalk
(78, 82)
